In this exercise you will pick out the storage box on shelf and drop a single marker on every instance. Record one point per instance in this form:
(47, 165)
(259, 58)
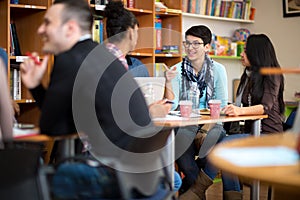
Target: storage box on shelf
(19, 23)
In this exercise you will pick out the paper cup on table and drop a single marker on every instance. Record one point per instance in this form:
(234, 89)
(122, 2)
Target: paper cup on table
(215, 108)
(185, 108)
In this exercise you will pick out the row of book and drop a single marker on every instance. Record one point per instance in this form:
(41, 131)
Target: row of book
(15, 82)
(238, 9)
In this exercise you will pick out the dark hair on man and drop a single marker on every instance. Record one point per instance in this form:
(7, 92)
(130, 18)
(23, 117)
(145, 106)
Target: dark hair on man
(118, 20)
(78, 10)
(200, 31)
(261, 53)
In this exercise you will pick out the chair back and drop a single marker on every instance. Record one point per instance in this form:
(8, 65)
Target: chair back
(296, 124)
(151, 171)
(20, 177)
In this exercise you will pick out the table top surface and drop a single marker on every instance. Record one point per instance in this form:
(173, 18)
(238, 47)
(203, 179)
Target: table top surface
(203, 119)
(281, 176)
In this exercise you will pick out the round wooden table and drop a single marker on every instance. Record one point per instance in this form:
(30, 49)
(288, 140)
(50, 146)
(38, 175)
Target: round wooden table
(285, 180)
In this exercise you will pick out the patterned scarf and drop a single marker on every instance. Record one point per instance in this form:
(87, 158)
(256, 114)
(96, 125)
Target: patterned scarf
(204, 78)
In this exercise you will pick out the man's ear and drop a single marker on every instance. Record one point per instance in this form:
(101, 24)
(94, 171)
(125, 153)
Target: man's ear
(72, 27)
(207, 48)
(131, 33)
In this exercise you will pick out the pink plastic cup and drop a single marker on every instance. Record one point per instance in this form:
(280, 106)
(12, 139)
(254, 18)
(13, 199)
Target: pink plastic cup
(185, 108)
(215, 108)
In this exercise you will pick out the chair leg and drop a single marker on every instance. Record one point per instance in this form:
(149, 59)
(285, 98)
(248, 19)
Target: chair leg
(269, 193)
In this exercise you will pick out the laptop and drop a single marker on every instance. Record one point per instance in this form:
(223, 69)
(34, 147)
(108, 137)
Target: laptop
(153, 88)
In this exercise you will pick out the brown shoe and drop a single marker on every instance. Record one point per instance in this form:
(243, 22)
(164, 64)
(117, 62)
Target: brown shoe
(197, 190)
(233, 195)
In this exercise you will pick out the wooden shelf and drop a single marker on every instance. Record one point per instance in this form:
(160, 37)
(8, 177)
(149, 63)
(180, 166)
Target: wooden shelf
(295, 70)
(28, 6)
(222, 57)
(140, 54)
(226, 57)
(168, 55)
(217, 18)
(25, 101)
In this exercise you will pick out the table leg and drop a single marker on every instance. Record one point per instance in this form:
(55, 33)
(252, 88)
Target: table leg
(256, 185)
(256, 127)
(255, 190)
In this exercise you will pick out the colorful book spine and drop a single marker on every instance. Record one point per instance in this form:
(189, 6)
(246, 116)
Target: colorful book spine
(158, 35)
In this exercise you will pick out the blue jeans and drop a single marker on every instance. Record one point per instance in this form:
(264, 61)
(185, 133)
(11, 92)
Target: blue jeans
(230, 182)
(186, 162)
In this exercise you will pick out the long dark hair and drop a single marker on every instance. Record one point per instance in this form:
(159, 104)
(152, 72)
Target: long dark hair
(261, 53)
(118, 20)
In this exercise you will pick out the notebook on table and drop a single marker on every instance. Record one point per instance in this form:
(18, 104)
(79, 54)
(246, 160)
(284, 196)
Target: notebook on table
(153, 88)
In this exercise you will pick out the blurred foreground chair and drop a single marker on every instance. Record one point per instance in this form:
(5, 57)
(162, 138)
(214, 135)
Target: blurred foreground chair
(21, 174)
(154, 173)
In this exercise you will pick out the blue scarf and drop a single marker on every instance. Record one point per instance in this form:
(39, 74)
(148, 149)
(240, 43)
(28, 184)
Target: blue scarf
(204, 78)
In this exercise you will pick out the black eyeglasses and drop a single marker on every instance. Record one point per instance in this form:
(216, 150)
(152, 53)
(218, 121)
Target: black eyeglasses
(195, 44)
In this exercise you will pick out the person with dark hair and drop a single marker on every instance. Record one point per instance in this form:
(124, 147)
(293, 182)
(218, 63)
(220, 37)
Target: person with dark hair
(122, 33)
(121, 23)
(66, 33)
(260, 94)
(136, 67)
(207, 79)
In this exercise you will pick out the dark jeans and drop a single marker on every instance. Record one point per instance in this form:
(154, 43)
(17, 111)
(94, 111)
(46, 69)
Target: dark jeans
(230, 182)
(191, 167)
(186, 162)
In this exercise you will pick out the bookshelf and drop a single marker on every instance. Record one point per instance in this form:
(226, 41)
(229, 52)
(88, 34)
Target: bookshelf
(171, 31)
(26, 16)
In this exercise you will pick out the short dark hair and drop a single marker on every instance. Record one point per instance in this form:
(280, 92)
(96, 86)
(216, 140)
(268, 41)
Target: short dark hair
(118, 20)
(78, 10)
(200, 31)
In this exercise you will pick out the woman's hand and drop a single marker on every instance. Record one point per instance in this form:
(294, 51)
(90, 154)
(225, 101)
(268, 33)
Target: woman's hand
(170, 73)
(232, 110)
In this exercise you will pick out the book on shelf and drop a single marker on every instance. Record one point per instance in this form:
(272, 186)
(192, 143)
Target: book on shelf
(97, 31)
(15, 40)
(15, 81)
(159, 69)
(158, 35)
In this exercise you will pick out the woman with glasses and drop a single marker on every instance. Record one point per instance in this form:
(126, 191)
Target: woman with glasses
(199, 74)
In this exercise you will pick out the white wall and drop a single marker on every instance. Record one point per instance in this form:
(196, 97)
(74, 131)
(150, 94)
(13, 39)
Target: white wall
(284, 33)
